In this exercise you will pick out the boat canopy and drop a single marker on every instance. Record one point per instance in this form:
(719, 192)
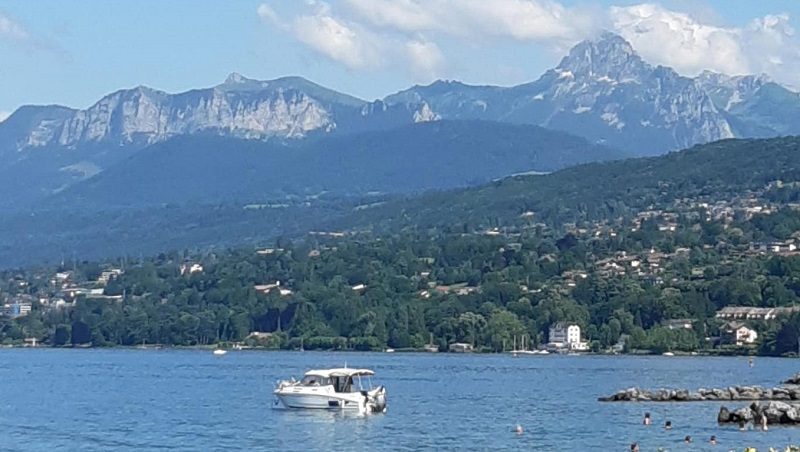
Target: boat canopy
(328, 373)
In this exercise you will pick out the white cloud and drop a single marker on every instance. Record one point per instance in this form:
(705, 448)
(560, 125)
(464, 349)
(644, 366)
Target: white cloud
(338, 41)
(405, 15)
(381, 34)
(426, 59)
(675, 39)
(345, 42)
(268, 14)
(11, 29)
(517, 19)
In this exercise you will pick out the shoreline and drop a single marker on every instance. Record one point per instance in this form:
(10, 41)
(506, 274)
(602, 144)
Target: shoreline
(402, 352)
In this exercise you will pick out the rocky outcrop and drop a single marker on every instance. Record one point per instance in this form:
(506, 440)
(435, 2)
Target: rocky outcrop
(744, 393)
(794, 380)
(776, 412)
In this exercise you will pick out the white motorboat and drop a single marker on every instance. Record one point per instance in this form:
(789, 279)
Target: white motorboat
(341, 389)
(219, 352)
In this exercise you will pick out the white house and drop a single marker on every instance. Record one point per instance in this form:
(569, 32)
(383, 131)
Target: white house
(191, 268)
(108, 275)
(267, 288)
(739, 334)
(16, 309)
(566, 336)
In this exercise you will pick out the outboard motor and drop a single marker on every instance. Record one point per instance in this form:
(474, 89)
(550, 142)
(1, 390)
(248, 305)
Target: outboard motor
(378, 404)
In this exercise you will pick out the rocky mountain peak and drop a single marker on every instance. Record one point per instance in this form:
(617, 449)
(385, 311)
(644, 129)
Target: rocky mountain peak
(606, 56)
(238, 82)
(235, 77)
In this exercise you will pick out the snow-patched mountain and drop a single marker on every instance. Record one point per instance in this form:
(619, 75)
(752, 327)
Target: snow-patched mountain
(601, 90)
(754, 105)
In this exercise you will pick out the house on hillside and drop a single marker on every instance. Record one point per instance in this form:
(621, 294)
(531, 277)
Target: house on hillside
(566, 336)
(16, 309)
(751, 313)
(108, 275)
(460, 347)
(189, 268)
(267, 288)
(678, 324)
(738, 334)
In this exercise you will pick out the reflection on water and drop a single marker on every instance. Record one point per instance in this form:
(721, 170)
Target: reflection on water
(189, 400)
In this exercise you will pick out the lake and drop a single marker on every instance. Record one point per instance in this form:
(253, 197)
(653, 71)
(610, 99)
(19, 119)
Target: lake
(107, 399)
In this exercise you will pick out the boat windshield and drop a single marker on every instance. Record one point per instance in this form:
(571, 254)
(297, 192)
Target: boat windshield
(315, 380)
(351, 383)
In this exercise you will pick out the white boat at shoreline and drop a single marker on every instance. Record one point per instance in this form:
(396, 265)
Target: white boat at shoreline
(523, 350)
(219, 352)
(339, 389)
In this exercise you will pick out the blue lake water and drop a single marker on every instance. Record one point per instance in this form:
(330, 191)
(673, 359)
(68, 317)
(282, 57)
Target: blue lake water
(190, 400)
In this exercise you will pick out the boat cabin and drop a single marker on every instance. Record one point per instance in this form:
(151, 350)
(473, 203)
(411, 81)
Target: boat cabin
(342, 380)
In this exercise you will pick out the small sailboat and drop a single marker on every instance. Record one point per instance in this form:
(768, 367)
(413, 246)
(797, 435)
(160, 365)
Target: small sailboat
(219, 352)
(522, 349)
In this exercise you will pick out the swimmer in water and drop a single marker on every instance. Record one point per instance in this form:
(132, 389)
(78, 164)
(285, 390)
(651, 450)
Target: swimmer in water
(742, 425)
(713, 440)
(668, 425)
(764, 423)
(647, 420)
(518, 430)
(688, 439)
(635, 447)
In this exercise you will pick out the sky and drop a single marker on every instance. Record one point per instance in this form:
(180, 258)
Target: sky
(73, 53)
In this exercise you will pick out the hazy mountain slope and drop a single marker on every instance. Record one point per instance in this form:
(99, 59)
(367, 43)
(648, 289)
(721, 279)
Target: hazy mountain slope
(600, 190)
(425, 156)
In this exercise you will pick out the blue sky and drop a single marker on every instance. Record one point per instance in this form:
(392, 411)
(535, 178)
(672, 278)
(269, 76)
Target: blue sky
(72, 53)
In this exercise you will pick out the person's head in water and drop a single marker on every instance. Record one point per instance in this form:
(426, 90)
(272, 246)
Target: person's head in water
(713, 440)
(635, 447)
(668, 425)
(647, 420)
(688, 439)
(741, 424)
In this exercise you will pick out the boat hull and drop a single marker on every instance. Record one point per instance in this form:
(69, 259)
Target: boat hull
(322, 399)
(307, 401)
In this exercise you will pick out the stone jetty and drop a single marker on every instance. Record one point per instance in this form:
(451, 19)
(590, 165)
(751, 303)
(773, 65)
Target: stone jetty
(776, 413)
(733, 393)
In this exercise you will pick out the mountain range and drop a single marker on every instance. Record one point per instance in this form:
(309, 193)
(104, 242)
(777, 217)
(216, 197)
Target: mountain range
(250, 142)
(602, 90)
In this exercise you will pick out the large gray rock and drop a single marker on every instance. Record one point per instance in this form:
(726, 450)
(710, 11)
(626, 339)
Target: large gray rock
(724, 415)
(742, 414)
(776, 413)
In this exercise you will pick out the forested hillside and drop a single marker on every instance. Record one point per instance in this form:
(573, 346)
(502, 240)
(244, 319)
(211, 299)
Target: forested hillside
(586, 193)
(624, 249)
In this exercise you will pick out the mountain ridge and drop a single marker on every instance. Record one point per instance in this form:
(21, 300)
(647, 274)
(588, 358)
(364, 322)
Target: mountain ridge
(411, 159)
(602, 90)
